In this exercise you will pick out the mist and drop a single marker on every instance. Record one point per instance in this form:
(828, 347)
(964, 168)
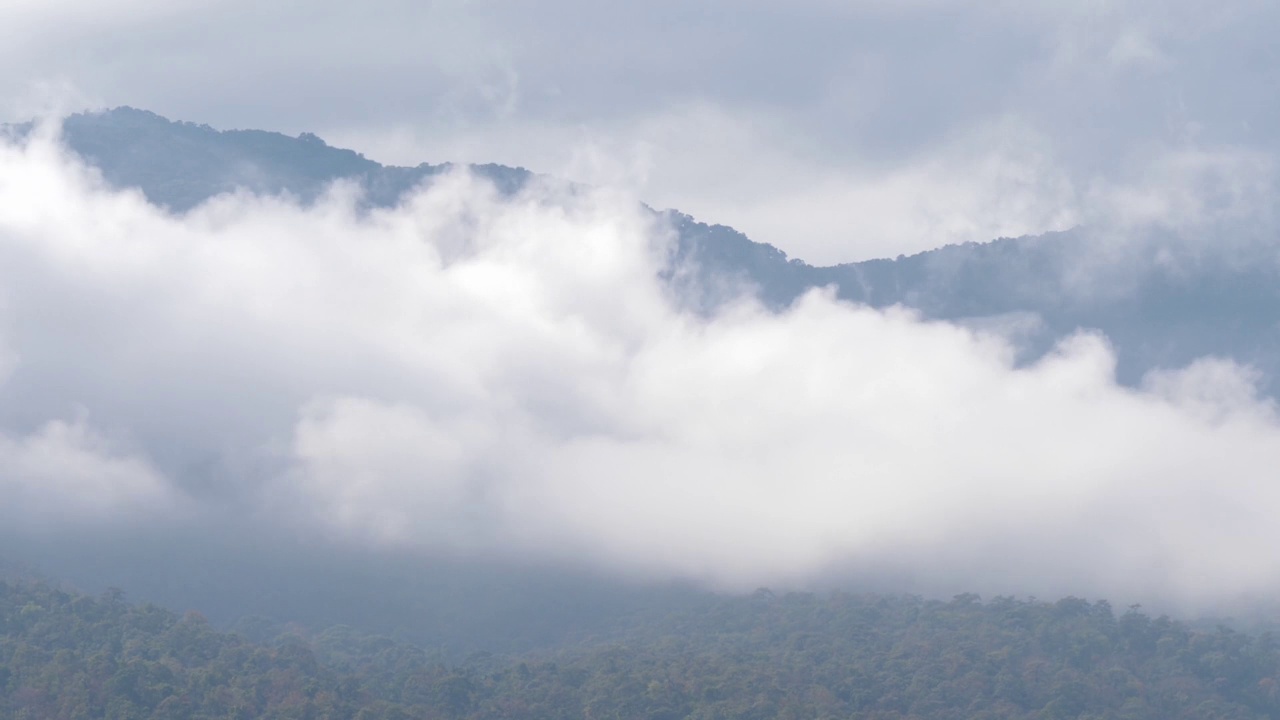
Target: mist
(478, 378)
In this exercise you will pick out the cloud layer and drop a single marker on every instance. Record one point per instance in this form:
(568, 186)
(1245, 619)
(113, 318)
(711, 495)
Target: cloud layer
(475, 376)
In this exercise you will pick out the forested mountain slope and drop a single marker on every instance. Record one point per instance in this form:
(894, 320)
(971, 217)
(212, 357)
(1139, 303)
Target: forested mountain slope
(65, 655)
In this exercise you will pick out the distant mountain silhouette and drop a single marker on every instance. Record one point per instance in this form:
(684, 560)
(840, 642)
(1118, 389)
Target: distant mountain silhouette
(1157, 314)
(179, 165)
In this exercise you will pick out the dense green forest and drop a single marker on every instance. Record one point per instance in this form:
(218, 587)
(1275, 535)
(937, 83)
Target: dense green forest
(67, 655)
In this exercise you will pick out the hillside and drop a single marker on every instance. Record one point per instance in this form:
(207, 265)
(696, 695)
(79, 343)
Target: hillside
(65, 655)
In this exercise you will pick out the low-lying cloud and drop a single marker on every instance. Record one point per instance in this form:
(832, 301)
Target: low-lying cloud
(474, 375)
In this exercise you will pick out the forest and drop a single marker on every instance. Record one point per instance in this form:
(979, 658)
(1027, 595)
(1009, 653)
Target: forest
(69, 655)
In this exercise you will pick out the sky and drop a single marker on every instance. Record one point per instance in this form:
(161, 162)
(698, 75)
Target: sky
(477, 376)
(837, 131)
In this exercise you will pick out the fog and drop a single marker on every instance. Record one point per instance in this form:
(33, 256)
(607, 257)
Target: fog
(476, 378)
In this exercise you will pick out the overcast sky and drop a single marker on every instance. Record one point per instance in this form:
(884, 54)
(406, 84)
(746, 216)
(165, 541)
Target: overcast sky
(835, 130)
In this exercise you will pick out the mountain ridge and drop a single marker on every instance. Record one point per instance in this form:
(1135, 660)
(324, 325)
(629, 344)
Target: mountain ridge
(1155, 315)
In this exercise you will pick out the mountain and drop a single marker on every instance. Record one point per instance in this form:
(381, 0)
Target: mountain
(179, 165)
(1162, 301)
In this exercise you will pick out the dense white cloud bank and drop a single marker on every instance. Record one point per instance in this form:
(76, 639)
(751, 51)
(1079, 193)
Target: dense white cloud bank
(485, 377)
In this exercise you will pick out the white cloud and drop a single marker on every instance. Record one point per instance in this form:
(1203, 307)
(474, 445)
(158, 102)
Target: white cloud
(65, 475)
(505, 377)
(1187, 188)
(740, 168)
(1001, 178)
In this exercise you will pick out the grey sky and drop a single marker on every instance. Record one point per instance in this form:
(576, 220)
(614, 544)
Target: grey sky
(836, 130)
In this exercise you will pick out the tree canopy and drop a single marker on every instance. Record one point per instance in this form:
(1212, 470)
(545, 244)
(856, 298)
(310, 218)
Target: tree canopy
(67, 655)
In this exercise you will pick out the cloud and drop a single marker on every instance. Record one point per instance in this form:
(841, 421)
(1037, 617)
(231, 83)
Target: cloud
(743, 168)
(1001, 177)
(997, 181)
(66, 476)
(1188, 189)
(481, 377)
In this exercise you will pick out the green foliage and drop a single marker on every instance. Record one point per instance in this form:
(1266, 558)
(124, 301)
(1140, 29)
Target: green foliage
(69, 656)
(64, 655)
